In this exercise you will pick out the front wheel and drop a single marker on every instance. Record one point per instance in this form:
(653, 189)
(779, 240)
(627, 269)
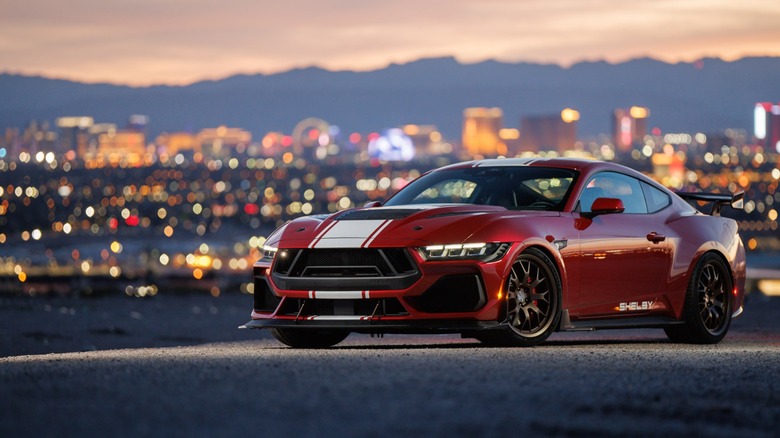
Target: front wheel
(309, 338)
(707, 308)
(533, 294)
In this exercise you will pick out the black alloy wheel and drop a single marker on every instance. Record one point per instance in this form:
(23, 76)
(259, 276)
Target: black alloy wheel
(712, 297)
(533, 297)
(707, 311)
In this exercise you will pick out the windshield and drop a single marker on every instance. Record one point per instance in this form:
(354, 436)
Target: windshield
(516, 188)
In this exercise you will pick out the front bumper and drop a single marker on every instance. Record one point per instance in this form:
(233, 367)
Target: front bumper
(411, 296)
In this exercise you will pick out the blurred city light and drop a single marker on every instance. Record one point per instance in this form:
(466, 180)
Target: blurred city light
(194, 210)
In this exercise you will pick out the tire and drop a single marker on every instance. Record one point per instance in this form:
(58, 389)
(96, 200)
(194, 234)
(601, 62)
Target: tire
(533, 295)
(308, 338)
(707, 308)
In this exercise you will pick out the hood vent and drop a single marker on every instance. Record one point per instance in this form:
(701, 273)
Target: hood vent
(376, 214)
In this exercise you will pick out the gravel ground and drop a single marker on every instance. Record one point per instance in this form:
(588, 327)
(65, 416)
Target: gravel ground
(197, 375)
(57, 325)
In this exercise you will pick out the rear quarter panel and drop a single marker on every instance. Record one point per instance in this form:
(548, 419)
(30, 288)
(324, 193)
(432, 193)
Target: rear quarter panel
(696, 235)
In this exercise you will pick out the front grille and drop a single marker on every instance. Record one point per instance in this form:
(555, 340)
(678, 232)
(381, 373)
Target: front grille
(346, 262)
(323, 307)
(339, 271)
(344, 269)
(355, 262)
(285, 259)
(451, 294)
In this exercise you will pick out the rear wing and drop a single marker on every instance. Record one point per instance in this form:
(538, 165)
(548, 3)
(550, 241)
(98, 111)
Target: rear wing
(736, 200)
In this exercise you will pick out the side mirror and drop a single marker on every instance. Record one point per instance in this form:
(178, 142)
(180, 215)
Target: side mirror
(605, 206)
(738, 201)
(372, 204)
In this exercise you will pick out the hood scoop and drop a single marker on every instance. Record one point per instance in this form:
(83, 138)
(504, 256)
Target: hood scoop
(376, 214)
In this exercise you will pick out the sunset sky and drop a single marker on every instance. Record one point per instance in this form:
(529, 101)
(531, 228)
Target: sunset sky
(146, 42)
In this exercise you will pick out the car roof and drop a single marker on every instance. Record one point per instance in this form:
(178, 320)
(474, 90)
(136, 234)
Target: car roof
(582, 165)
(565, 163)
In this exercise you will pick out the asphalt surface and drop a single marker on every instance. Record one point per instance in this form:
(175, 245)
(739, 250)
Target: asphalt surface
(242, 383)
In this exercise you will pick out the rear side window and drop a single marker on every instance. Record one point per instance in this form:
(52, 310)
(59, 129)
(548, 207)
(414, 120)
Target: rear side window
(614, 185)
(656, 199)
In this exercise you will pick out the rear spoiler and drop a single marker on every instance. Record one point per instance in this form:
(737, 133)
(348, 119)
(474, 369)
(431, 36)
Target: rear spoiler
(736, 200)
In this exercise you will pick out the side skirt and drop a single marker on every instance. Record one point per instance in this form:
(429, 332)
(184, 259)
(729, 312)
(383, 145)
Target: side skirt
(567, 325)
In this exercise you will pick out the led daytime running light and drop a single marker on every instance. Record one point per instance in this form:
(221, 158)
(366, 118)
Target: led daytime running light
(455, 250)
(269, 252)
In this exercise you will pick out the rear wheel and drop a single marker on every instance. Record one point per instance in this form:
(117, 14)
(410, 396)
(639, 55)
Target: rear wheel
(308, 338)
(533, 294)
(707, 309)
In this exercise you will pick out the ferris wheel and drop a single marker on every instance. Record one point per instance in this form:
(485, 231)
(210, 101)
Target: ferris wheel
(310, 133)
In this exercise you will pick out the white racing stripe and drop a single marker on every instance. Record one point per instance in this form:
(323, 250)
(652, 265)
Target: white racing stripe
(340, 294)
(375, 234)
(322, 233)
(339, 317)
(349, 234)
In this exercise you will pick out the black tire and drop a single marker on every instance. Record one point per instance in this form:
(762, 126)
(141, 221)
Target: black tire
(707, 309)
(308, 338)
(533, 295)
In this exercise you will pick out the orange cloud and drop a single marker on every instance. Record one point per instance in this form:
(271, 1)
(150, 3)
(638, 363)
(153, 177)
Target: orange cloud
(179, 42)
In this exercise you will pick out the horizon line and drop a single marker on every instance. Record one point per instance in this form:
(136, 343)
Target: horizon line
(565, 66)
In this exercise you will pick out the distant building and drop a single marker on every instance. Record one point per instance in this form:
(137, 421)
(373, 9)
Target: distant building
(767, 125)
(95, 132)
(138, 122)
(391, 145)
(481, 131)
(629, 127)
(549, 132)
(74, 134)
(427, 140)
(36, 137)
(174, 143)
(11, 141)
(122, 147)
(511, 138)
(669, 168)
(223, 141)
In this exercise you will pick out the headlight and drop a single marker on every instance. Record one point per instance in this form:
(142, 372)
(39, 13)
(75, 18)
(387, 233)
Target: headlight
(269, 252)
(486, 252)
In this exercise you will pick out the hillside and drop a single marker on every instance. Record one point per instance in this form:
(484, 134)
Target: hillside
(707, 96)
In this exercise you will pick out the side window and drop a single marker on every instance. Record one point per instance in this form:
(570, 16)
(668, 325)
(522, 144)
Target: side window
(656, 199)
(614, 185)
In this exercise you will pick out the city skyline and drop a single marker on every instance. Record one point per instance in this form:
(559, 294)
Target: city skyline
(707, 96)
(145, 43)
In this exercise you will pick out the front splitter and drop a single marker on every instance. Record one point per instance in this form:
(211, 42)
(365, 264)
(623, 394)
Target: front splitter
(377, 325)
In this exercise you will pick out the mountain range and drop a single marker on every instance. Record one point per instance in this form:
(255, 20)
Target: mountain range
(708, 95)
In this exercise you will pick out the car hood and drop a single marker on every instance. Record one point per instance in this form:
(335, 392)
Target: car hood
(395, 226)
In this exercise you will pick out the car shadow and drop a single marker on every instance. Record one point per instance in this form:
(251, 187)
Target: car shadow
(455, 345)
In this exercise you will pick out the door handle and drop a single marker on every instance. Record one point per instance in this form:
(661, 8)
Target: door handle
(655, 237)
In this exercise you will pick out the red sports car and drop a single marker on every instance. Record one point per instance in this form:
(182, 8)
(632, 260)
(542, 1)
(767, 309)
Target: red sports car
(507, 251)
